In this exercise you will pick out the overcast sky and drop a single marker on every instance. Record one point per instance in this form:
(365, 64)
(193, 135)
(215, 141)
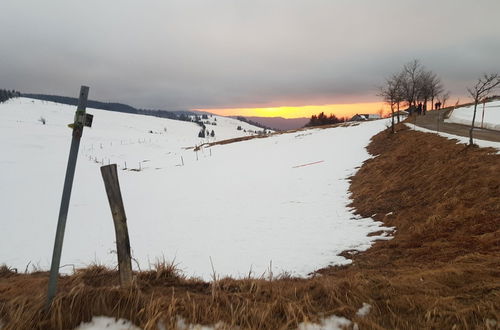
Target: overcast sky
(184, 54)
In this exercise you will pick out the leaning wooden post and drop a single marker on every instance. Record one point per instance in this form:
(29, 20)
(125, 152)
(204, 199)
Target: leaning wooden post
(110, 177)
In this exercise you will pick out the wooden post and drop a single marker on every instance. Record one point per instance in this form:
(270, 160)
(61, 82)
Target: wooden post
(110, 177)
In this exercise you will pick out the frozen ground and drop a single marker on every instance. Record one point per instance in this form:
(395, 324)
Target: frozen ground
(490, 120)
(108, 323)
(249, 206)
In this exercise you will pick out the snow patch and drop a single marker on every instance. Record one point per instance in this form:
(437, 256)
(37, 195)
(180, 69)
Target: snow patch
(108, 323)
(364, 310)
(183, 325)
(330, 323)
(336, 322)
(487, 115)
(491, 323)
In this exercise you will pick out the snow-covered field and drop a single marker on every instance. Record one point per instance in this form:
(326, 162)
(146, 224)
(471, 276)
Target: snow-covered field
(278, 202)
(487, 115)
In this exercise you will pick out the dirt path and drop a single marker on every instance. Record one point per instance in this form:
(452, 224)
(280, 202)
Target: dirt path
(433, 120)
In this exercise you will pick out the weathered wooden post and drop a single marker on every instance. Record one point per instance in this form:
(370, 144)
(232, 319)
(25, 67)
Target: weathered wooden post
(81, 119)
(110, 177)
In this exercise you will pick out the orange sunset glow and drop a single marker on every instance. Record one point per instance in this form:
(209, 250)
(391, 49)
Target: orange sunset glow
(339, 110)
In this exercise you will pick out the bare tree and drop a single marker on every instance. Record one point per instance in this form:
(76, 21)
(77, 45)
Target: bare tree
(435, 88)
(381, 112)
(429, 87)
(411, 85)
(411, 80)
(424, 86)
(481, 89)
(444, 98)
(398, 91)
(392, 93)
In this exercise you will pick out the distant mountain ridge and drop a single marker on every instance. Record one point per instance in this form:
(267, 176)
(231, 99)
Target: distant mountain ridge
(275, 123)
(111, 106)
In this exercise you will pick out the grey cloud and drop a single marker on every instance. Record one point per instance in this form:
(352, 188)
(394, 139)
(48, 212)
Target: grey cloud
(225, 53)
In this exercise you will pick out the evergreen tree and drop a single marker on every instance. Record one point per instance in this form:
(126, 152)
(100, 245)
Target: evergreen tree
(322, 119)
(6, 94)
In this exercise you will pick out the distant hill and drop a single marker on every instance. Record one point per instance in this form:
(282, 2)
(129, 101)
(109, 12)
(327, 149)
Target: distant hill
(279, 123)
(91, 104)
(275, 123)
(112, 106)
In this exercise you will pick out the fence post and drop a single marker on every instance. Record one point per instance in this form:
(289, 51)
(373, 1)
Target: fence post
(110, 177)
(79, 122)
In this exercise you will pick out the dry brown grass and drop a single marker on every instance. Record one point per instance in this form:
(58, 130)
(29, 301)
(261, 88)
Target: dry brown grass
(440, 271)
(163, 296)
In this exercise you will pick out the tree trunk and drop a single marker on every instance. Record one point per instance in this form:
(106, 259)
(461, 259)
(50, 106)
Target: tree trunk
(392, 111)
(398, 113)
(471, 140)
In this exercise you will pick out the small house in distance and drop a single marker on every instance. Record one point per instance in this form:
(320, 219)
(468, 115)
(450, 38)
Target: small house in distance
(365, 116)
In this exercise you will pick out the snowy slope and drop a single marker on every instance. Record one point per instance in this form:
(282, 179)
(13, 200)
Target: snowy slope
(243, 205)
(487, 116)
